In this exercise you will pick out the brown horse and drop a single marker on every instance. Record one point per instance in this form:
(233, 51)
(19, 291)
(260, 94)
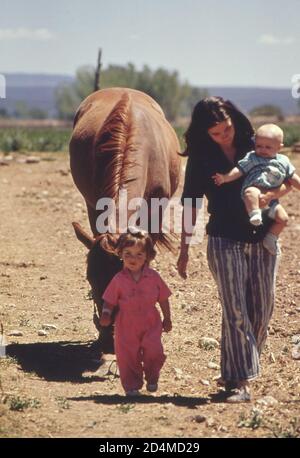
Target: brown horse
(121, 141)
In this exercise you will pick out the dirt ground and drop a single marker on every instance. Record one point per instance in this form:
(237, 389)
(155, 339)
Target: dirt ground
(50, 384)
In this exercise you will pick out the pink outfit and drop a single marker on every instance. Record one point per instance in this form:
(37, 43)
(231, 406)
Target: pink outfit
(138, 326)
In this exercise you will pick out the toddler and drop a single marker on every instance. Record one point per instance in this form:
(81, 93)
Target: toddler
(138, 326)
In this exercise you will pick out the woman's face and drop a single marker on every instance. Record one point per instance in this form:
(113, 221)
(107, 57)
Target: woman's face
(222, 133)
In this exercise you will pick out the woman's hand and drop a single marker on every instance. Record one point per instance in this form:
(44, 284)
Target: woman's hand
(265, 198)
(276, 193)
(182, 264)
(105, 319)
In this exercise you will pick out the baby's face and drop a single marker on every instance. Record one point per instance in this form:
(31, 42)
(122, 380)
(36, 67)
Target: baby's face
(267, 147)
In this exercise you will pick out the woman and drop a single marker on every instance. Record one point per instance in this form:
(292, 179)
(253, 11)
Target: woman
(218, 136)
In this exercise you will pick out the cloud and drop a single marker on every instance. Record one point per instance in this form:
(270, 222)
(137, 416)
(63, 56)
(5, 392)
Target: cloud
(269, 39)
(23, 33)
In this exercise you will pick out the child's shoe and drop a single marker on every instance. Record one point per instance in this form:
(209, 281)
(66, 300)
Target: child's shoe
(255, 217)
(270, 243)
(152, 387)
(133, 393)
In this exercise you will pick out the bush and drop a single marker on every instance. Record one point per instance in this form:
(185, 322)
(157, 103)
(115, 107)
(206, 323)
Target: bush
(31, 140)
(291, 133)
(180, 131)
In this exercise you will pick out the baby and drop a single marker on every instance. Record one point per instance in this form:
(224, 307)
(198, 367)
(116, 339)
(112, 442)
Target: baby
(264, 169)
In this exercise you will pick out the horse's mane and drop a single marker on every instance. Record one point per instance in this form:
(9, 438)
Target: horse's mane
(113, 150)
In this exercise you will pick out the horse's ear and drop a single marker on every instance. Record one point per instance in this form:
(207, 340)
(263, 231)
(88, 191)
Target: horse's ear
(82, 236)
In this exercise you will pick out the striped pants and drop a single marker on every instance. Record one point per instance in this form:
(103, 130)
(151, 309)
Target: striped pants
(245, 274)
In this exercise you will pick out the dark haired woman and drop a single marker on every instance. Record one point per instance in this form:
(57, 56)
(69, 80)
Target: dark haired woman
(218, 136)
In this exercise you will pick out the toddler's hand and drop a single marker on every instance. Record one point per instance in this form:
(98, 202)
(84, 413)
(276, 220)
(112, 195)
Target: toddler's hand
(218, 179)
(105, 319)
(167, 325)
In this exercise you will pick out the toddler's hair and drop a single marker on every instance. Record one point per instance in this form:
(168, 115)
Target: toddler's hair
(270, 131)
(136, 237)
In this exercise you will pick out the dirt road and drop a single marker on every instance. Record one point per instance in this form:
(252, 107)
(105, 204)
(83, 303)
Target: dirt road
(50, 387)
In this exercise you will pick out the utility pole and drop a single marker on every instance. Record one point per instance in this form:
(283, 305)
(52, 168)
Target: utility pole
(97, 73)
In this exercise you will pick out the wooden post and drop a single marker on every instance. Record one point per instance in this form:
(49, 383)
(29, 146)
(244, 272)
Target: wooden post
(97, 73)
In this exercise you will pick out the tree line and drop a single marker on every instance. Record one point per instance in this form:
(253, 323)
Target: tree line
(175, 97)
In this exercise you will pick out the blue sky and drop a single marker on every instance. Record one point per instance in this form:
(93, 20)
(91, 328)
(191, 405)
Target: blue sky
(209, 42)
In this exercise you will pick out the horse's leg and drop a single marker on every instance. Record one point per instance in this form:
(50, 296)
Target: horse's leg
(155, 219)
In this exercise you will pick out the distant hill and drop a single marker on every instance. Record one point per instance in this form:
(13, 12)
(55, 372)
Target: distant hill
(247, 98)
(37, 91)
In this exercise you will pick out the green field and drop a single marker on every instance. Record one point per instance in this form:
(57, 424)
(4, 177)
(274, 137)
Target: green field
(31, 139)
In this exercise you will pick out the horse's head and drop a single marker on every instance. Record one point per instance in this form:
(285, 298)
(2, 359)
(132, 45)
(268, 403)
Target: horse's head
(102, 264)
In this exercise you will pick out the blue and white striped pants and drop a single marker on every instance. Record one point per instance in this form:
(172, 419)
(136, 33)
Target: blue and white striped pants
(245, 274)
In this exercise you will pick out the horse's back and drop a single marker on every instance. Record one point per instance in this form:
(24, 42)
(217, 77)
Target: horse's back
(95, 109)
(141, 131)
